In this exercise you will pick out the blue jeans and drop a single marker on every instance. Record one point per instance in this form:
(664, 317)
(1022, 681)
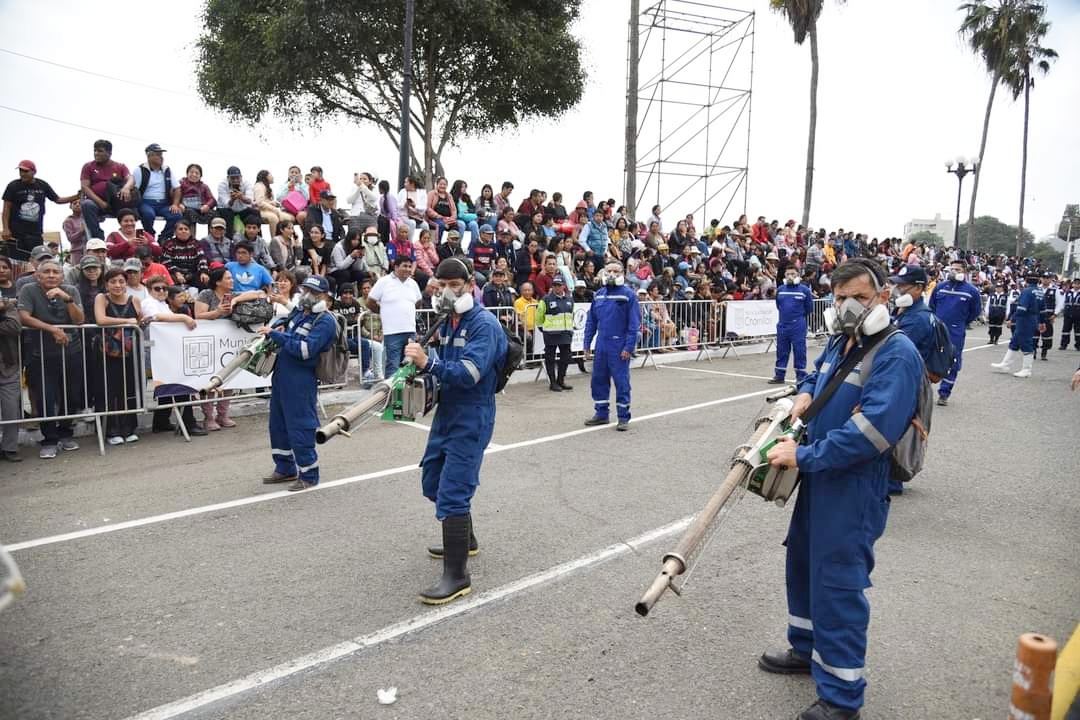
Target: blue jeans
(92, 215)
(150, 209)
(395, 350)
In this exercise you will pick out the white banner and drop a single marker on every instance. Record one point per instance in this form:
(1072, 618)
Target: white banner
(751, 318)
(179, 356)
(577, 341)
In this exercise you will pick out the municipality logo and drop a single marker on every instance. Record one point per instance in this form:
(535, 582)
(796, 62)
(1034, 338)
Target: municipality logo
(198, 355)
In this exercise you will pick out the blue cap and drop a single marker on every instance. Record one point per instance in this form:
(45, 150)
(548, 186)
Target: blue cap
(485, 228)
(684, 265)
(233, 171)
(317, 283)
(909, 275)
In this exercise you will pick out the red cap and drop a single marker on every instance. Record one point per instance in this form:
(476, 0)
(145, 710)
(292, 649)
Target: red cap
(27, 165)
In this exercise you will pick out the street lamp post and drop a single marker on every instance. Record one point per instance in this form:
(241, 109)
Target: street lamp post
(963, 168)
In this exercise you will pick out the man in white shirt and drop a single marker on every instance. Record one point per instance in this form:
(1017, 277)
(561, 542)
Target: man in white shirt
(395, 297)
(160, 191)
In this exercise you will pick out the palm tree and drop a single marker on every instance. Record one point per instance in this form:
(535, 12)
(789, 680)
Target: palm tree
(803, 15)
(991, 30)
(1029, 56)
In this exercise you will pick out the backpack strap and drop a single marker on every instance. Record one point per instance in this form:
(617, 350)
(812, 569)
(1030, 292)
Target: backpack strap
(853, 358)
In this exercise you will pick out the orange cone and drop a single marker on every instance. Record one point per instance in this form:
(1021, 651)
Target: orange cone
(1032, 674)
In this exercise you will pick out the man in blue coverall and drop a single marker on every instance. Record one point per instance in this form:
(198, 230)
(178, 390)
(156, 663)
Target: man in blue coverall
(472, 350)
(843, 502)
(1025, 320)
(957, 303)
(615, 319)
(301, 338)
(794, 302)
(914, 320)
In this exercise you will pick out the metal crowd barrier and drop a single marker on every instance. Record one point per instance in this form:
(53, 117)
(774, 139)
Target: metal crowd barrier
(81, 380)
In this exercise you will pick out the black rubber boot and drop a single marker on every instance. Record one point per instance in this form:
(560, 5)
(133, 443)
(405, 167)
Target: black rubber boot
(822, 710)
(454, 582)
(561, 382)
(553, 386)
(436, 551)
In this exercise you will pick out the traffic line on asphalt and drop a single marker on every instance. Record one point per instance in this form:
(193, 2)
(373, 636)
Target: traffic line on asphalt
(413, 425)
(405, 627)
(281, 494)
(715, 372)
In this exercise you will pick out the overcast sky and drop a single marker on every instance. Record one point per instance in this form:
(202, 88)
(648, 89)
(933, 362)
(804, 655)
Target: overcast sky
(899, 94)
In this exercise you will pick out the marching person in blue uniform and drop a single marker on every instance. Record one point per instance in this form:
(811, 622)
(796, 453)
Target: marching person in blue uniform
(843, 501)
(997, 307)
(555, 318)
(957, 303)
(472, 350)
(615, 319)
(1071, 321)
(1053, 305)
(795, 302)
(294, 414)
(1025, 321)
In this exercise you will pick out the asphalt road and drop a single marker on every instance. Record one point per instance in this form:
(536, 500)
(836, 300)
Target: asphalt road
(164, 579)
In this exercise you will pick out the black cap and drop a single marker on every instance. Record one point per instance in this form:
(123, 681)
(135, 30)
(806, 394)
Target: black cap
(454, 268)
(327, 195)
(154, 148)
(233, 171)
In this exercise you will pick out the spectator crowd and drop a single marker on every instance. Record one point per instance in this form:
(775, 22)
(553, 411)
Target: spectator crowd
(263, 237)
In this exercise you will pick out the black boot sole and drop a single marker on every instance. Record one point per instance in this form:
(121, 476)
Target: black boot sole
(783, 669)
(436, 600)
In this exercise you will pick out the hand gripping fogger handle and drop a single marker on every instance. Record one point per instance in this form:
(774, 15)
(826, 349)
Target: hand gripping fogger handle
(352, 416)
(238, 363)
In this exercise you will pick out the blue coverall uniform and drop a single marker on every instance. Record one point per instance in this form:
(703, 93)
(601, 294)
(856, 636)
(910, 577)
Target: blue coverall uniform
(842, 506)
(294, 417)
(956, 304)
(1025, 312)
(471, 354)
(615, 319)
(795, 303)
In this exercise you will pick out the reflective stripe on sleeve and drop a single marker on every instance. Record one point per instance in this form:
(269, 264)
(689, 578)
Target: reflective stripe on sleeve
(304, 352)
(870, 432)
(474, 371)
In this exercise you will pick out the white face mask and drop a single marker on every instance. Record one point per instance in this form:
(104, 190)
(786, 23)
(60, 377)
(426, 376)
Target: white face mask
(901, 300)
(959, 276)
(612, 279)
(449, 301)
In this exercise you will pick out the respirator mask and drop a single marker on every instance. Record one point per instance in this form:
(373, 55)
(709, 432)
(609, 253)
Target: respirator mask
(899, 299)
(958, 276)
(791, 280)
(450, 301)
(612, 279)
(853, 319)
(312, 303)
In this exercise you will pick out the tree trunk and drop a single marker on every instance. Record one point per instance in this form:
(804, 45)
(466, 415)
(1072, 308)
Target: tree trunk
(808, 188)
(630, 160)
(1023, 165)
(969, 242)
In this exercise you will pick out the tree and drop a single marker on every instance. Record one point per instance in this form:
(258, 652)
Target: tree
(803, 16)
(990, 28)
(479, 65)
(1029, 55)
(993, 236)
(925, 237)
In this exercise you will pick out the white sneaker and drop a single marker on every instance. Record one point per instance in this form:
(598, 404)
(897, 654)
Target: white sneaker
(115, 440)
(131, 438)
(47, 452)
(68, 444)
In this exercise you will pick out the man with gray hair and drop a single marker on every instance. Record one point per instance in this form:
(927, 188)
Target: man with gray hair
(53, 354)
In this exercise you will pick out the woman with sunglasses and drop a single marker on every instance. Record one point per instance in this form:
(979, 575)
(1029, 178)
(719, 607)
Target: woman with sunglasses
(118, 314)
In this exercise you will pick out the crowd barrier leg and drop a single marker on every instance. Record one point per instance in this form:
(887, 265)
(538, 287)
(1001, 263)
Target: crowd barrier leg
(180, 424)
(100, 432)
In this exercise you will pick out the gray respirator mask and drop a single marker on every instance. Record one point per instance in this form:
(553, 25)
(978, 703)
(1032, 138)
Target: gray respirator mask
(449, 301)
(854, 319)
(311, 302)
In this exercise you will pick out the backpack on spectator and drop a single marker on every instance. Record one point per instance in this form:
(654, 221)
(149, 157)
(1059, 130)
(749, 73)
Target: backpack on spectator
(943, 357)
(910, 450)
(515, 353)
(253, 313)
(333, 364)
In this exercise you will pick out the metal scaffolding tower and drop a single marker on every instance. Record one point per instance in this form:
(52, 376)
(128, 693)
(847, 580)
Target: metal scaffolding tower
(694, 71)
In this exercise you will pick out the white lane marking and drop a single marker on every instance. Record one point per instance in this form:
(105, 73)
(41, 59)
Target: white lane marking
(413, 425)
(404, 627)
(978, 347)
(715, 372)
(190, 512)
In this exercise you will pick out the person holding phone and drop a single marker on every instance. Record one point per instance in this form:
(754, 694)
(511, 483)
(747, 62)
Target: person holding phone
(121, 244)
(234, 197)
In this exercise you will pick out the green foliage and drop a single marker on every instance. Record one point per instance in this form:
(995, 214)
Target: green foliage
(993, 236)
(926, 237)
(1071, 217)
(1049, 256)
(478, 65)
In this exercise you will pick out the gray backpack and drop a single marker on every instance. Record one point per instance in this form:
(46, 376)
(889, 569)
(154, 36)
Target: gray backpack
(910, 451)
(333, 365)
